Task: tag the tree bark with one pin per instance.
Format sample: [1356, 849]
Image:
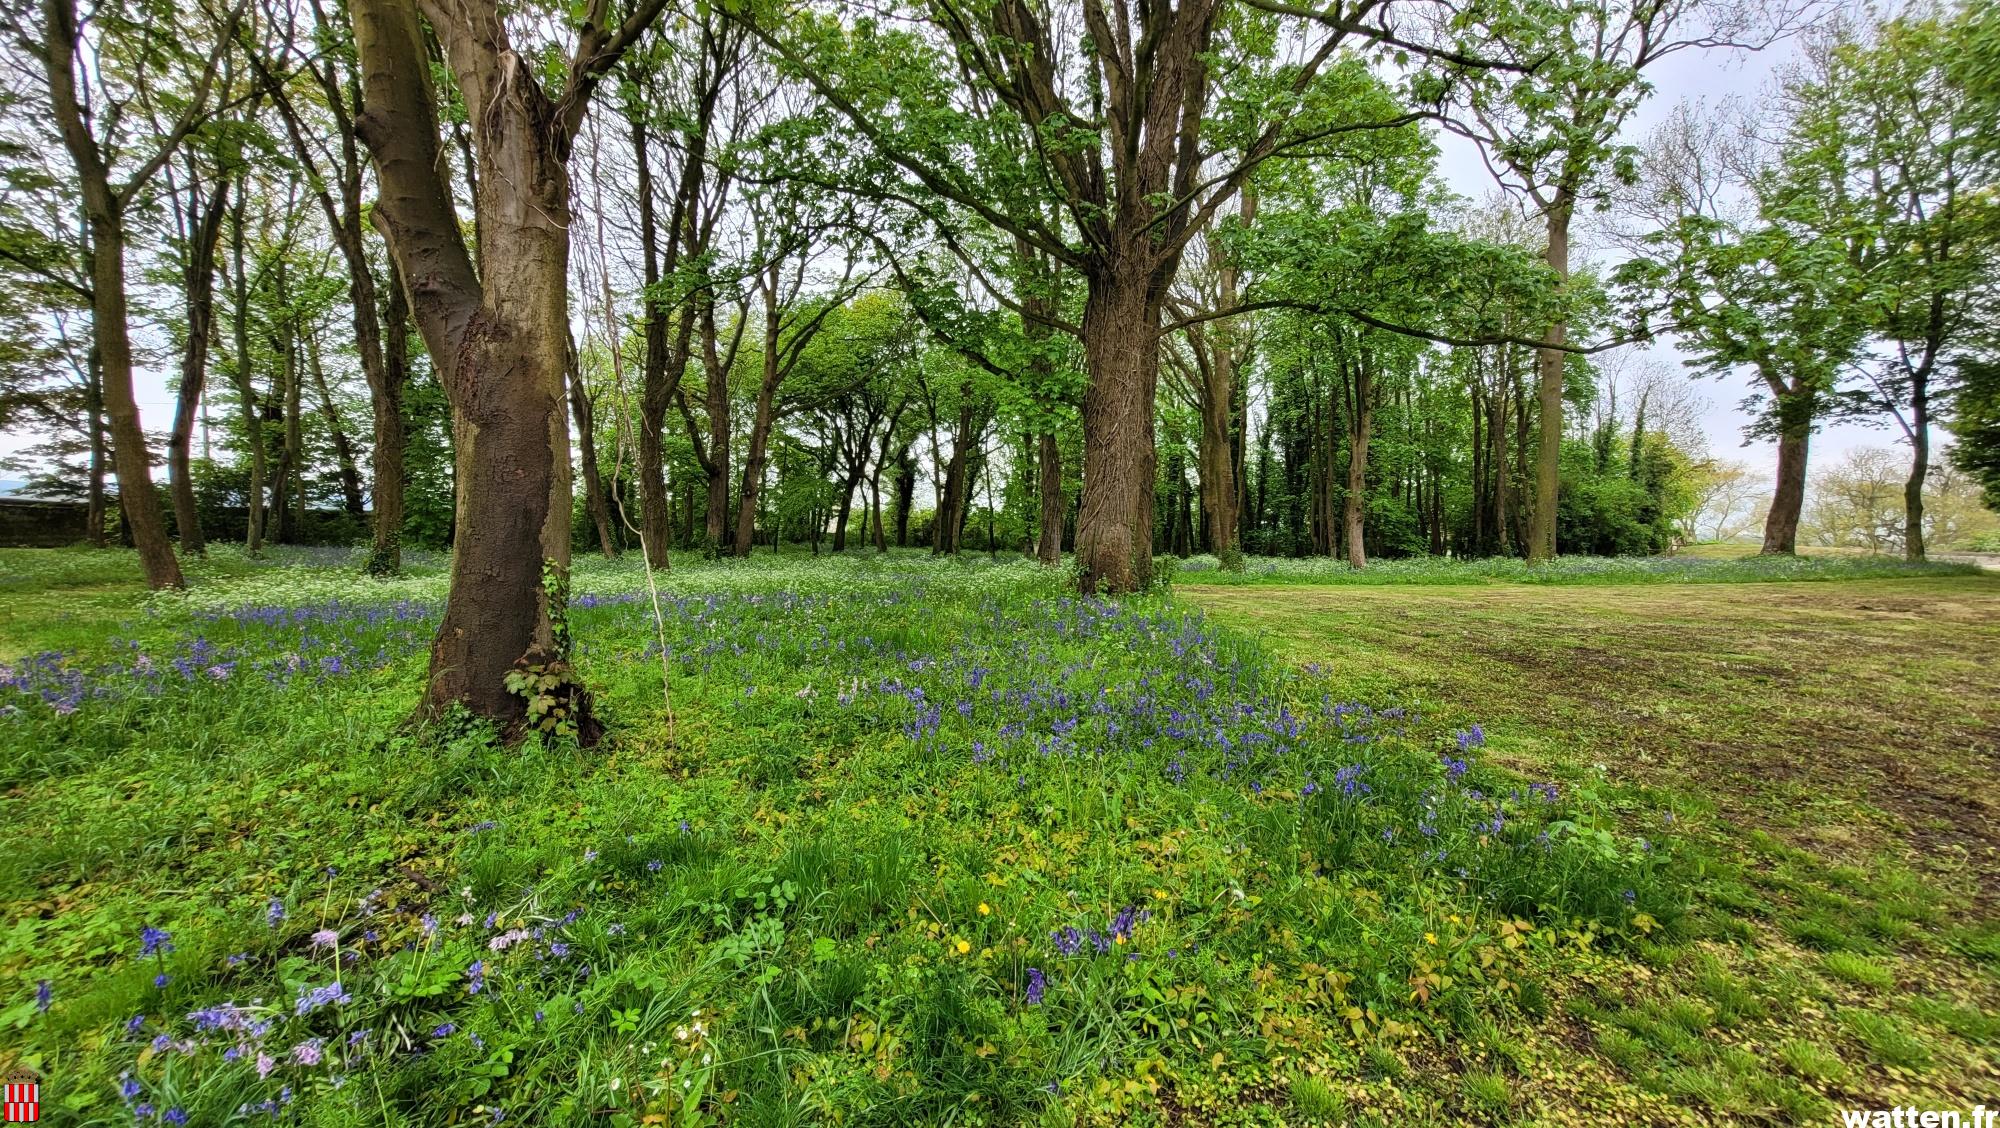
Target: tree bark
[763, 415]
[385, 554]
[198, 284]
[1920, 466]
[496, 339]
[93, 405]
[1121, 326]
[1219, 456]
[595, 501]
[1549, 369]
[1781, 525]
[105, 212]
[246, 390]
[1048, 545]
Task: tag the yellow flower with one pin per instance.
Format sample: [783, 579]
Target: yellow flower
[1430, 937]
[985, 909]
[964, 947]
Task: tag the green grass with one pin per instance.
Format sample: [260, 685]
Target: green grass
[1591, 571]
[1829, 750]
[847, 850]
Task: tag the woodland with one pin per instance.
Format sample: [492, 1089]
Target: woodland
[957, 561]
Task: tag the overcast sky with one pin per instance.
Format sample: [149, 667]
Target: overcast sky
[1690, 75]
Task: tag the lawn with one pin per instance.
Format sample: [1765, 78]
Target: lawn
[933, 842]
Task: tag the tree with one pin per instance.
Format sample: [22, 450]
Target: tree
[1726, 501]
[497, 337]
[1890, 144]
[73, 96]
[1756, 284]
[1549, 128]
[1129, 143]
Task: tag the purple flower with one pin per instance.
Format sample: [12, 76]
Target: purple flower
[314, 998]
[153, 941]
[476, 975]
[128, 1087]
[325, 938]
[654, 866]
[176, 1116]
[444, 1030]
[308, 1051]
[1036, 986]
[44, 993]
[429, 923]
[162, 979]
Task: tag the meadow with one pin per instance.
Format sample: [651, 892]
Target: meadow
[906, 840]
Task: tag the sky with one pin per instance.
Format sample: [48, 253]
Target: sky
[1689, 75]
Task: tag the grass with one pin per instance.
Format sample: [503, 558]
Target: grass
[932, 842]
[1568, 571]
[1827, 749]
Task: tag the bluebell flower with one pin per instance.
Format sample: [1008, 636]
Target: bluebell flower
[444, 1030]
[153, 940]
[1036, 986]
[476, 977]
[44, 993]
[274, 912]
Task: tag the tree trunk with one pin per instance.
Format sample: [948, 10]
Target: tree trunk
[1048, 546]
[385, 401]
[290, 479]
[1219, 456]
[496, 338]
[764, 415]
[848, 485]
[93, 405]
[906, 495]
[1549, 369]
[343, 449]
[1781, 525]
[198, 284]
[1361, 422]
[717, 403]
[663, 368]
[594, 498]
[1920, 467]
[246, 390]
[105, 214]
[1121, 326]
